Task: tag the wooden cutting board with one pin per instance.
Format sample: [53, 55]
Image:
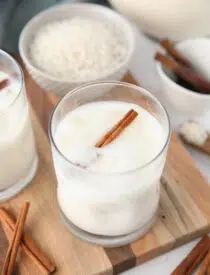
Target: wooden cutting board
[184, 212]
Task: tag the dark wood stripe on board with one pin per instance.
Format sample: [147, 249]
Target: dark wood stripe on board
[121, 258]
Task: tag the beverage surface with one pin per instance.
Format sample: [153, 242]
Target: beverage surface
[137, 145]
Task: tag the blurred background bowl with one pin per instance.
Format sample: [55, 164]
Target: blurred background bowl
[174, 19]
[65, 11]
[184, 101]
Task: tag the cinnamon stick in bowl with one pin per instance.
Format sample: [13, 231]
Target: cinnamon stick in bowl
[184, 72]
[175, 53]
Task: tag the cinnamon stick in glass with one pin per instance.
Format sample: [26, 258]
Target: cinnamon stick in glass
[4, 83]
[117, 129]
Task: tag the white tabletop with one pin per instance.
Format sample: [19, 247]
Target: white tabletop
[143, 69]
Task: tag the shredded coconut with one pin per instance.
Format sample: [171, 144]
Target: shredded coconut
[193, 133]
[78, 49]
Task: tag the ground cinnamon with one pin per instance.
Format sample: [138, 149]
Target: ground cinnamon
[9, 263]
[184, 72]
[174, 52]
[197, 254]
[117, 128]
[28, 245]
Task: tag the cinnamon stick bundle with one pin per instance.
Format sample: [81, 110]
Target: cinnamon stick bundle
[117, 129]
[205, 266]
[9, 263]
[28, 245]
[176, 54]
[184, 72]
[194, 258]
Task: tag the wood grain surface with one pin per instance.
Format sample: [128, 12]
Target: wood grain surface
[184, 212]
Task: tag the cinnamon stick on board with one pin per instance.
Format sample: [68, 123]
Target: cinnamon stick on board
[28, 245]
[117, 128]
[190, 263]
[184, 72]
[174, 52]
[9, 234]
[198, 260]
[205, 265]
[9, 264]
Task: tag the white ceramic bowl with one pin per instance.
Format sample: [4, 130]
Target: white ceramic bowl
[184, 101]
[175, 19]
[69, 10]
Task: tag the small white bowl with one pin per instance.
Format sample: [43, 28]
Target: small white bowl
[69, 10]
[185, 101]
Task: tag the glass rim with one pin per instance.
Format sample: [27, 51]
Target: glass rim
[12, 59]
[119, 83]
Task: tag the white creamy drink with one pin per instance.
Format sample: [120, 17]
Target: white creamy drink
[113, 190]
[18, 158]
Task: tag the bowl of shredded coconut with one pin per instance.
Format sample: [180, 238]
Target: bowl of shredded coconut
[74, 43]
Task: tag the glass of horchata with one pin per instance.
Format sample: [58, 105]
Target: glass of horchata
[109, 194]
[18, 158]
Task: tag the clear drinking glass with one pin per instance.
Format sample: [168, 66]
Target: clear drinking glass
[18, 158]
[109, 209]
